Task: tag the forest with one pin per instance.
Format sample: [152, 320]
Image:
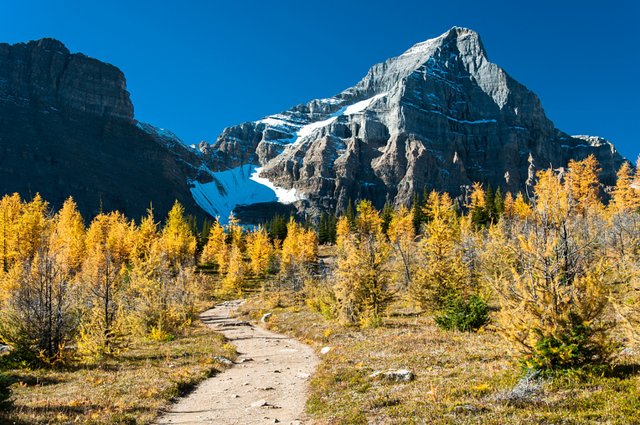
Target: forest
[554, 271]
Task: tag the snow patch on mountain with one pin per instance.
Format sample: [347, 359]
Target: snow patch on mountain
[301, 130]
[284, 196]
[238, 186]
[358, 107]
[595, 141]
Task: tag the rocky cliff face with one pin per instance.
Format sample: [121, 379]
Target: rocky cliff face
[439, 116]
[44, 72]
[67, 129]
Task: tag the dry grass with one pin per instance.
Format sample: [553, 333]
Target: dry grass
[129, 389]
[460, 377]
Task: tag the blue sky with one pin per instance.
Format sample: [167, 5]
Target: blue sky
[195, 67]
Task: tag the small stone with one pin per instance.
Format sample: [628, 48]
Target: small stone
[266, 388]
[467, 408]
[302, 375]
[400, 375]
[276, 371]
[627, 352]
[235, 396]
[260, 403]
[325, 350]
[221, 359]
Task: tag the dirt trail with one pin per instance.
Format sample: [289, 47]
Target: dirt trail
[268, 384]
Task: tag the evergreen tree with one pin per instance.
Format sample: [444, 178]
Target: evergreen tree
[277, 228]
[417, 214]
[323, 229]
[387, 215]
[490, 207]
[478, 207]
[498, 203]
[332, 223]
[350, 212]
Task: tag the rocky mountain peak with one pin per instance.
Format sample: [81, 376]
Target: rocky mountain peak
[44, 75]
[50, 45]
[455, 56]
[439, 116]
[459, 41]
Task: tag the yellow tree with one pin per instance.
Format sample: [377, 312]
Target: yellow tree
[402, 236]
[104, 277]
[177, 244]
[509, 205]
[143, 237]
[69, 237]
[29, 228]
[216, 250]
[10, 210]
[552, 199]
[521, 208]
[478, 205]
[235, 277]
[443, 272]
[299, 252]
[625, 196]
[149, 279]
[38, 314]
[235, 233]
[363, 277]
[551, 278]
[177, 239]
[260, 252]
[583, 184]
[437, 204]
[623, 240]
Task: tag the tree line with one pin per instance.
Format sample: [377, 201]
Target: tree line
[556, 271]
[66, 285]
[560, 268]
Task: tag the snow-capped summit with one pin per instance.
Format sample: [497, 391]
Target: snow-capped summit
[438, 116]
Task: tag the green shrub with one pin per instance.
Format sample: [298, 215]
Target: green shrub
[574, 349]
[463, 314]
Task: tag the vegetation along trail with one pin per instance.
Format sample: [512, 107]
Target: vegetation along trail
[268, 383]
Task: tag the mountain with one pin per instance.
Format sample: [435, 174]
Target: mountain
[439, 116]
[67, 128]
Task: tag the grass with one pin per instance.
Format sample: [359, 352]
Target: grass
[465, 378]
[131, 388]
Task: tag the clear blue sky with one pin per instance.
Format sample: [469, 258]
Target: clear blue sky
[195, 67]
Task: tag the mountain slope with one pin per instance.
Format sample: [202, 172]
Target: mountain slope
[67, 129]
[439, 116]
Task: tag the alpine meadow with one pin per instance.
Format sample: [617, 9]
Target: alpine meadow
[424, 246]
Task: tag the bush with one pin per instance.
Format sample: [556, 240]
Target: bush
[462, 314]
[573, 349]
